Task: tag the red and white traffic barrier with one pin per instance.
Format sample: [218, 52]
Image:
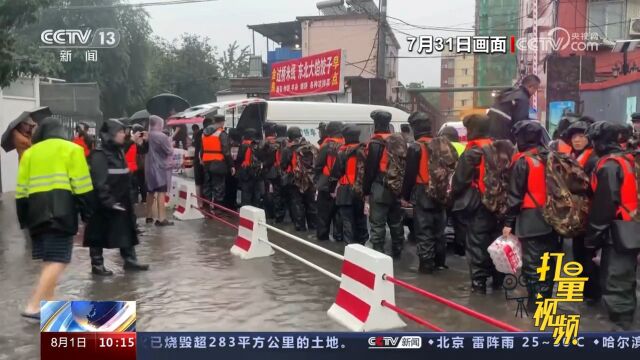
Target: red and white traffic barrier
[358, 304]
[252, 241]
[187, 205]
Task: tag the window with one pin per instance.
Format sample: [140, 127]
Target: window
[607, 18]
[451, 80]
[465, 71]
[463, 102]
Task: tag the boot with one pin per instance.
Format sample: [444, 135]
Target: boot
[131, 260]
[134, 265]
[498, 280]
[97, 262]
[100, 270]
[426, 267]
[479, 287]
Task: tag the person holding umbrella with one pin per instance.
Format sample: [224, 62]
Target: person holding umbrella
[19, 132]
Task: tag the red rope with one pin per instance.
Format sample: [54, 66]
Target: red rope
[216, 205]
[216, 218]
[411, 316]
[487, 319]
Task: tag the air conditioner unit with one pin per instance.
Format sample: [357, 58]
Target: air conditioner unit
[634, 27]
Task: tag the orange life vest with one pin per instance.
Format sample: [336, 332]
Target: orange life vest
[479, 182]
[629, 188]
[331, 158]
[584, 157]
[350, 171]
[384, 160]
[248, 153]
[131, 157]
[80, 141]
[278, 156]
[423, 169]
[212, 147]
[536, 195]
[564, 148]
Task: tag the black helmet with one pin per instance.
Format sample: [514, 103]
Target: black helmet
[294, 132]
[137, 128]
[604, 137]
[109, 129]
[381, 119]
[334, 128]
[351, 134]
[528, 134]
[576, 127]
[421, 124]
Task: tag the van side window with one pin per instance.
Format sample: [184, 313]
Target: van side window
[366, 131]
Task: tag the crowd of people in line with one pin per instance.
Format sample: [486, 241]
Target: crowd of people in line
[352, 190]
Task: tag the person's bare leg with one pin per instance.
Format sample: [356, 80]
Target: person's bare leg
[162, 208]
[46, 286]
[150, 205]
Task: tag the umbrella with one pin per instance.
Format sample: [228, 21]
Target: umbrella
[165, 105]
[36, 115]
[139, 117]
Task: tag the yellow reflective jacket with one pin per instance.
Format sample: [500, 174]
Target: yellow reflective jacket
[53, 179]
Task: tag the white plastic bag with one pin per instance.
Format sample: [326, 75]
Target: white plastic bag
[506, 254]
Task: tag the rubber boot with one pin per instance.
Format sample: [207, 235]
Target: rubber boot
[97, 263]
[479, 286]
[131, 261]
[426, 267]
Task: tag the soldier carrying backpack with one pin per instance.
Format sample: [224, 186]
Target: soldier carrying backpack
[478, 187]
[250, 170]
[527, 191]
[430, 162]
[348, 167]
[614, 222]
[322, 170]
[382, 183]
[297, 165]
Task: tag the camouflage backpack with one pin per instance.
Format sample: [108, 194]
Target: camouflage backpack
[567, 206]
[443, 158]
[395, 146]
[361, 159]
[305, 154]
[497, 161]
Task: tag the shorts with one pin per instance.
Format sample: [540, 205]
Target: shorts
[198, 174]
[52, 248]
[161, 189]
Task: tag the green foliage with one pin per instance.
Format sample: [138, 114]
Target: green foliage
[15, 14]
[234, 65]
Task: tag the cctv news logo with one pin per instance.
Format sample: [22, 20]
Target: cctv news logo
[557, 39]
[395, 342]
[76, 38]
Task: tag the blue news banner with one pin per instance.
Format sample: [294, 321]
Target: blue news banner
[371, 346]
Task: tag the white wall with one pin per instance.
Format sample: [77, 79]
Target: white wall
[10, 107]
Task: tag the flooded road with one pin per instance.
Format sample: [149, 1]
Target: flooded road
[196, 284]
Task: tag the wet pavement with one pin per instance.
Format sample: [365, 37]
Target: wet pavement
[196, 284]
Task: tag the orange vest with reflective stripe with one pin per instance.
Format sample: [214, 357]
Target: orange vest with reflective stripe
[629, 188]
[479, 182]
[350, 170]
[423, 169]
[384, 160]
[536, 195]
[584, 157]
[130, 157]
[80, 141]
[248, 153]
[212, 147]
[331, 158]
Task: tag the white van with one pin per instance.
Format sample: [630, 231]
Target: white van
[308, 115]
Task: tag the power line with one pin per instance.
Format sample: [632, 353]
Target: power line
[127, 5]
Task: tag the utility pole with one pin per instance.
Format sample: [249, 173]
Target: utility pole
[382, 40]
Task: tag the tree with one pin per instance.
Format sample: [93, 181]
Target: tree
[15, 14]
[186, 67]
[234, 65]
[121, 72]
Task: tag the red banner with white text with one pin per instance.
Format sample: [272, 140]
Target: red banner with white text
[311, 75]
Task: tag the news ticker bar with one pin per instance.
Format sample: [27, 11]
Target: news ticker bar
[199, 345]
